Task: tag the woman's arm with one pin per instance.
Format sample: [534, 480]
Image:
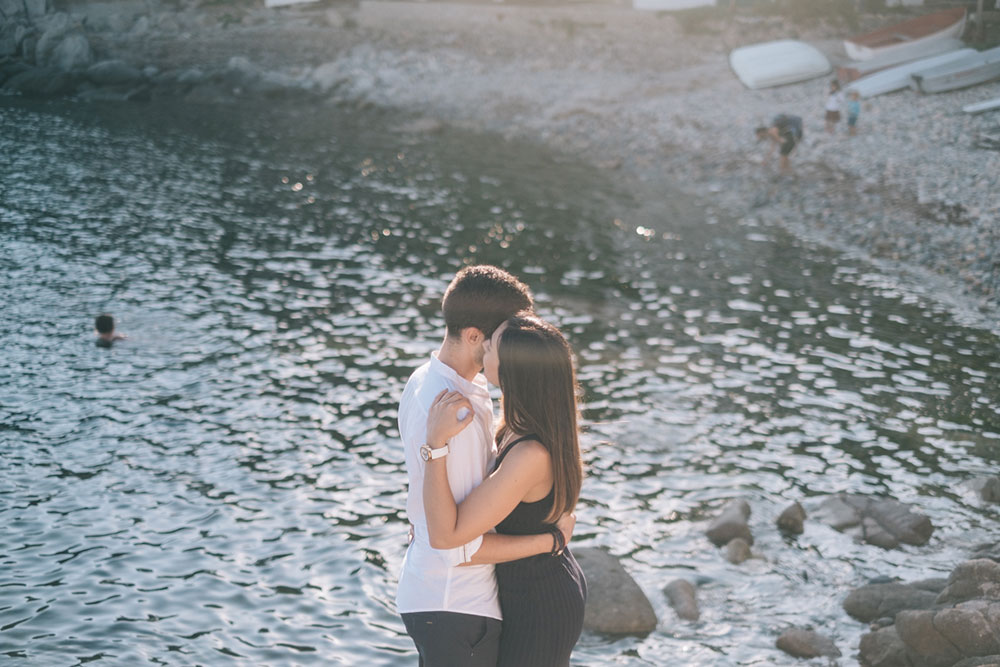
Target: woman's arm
[505, 548]
[450, 525]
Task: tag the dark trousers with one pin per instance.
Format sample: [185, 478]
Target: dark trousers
[446, 639]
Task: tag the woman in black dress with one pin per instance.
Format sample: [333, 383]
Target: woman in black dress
[536, 480]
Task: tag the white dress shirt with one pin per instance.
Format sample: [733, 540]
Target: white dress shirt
[431, 579]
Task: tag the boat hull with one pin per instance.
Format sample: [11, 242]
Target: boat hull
[981, 68]
[899, 77]
[777, 63]
[980, 107]
[947, 24]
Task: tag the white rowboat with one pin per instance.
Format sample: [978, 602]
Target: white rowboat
[980, 107]
[947, 24]
[972, 70]
[861, 68]
[777, 63]
[899, 77]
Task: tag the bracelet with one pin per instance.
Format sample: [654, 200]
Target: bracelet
[558, 541]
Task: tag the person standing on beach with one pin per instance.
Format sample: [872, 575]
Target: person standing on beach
[784, 133]
[448, 597]
[536, 480]
[834, 102]
[853, 111]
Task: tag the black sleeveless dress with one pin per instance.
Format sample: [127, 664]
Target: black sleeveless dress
[542, 597]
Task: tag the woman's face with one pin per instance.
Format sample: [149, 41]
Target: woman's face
[491, 362]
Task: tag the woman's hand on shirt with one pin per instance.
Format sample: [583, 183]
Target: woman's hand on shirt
[449, 414]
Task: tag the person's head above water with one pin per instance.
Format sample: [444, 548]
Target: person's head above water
[105, 324]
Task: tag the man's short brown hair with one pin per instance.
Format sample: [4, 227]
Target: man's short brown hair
[483, 297]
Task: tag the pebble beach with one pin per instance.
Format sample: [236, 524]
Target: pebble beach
[636, 93]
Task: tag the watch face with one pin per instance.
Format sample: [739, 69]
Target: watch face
[425, 453]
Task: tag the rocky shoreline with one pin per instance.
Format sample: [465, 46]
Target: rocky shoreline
[628, 91]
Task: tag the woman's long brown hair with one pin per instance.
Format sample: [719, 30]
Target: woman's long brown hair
[539, 397]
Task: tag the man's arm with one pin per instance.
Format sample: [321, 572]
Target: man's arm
[505, 548]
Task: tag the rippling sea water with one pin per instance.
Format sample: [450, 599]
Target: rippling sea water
[226, 486]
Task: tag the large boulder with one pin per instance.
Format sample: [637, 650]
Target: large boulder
[803, 643]
[883, 522]
[984, 661]
[731, 523]
[15, 8]
[972, 579]
[63, 45]
[113, 73]
[41, 82]
[883, 648]
[615, 603]
[925, 645]
[874, 601]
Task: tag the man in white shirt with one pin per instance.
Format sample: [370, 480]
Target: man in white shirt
[448, 597]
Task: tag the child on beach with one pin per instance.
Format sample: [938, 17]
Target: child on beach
[853, 111]
[834, 101]
[105, 328]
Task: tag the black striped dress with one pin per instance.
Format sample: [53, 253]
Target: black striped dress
[541, 597]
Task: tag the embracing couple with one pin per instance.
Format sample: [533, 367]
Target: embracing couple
[487, 579]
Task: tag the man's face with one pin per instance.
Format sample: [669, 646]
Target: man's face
[491, 361]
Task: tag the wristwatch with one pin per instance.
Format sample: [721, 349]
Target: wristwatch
[427, 453]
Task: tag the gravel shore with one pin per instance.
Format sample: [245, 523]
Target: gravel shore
[636, 95]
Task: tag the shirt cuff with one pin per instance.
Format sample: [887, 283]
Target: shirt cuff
[464, 553]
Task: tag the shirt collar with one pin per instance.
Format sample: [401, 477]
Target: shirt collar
[477, 387]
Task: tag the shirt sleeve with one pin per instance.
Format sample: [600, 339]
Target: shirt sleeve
[463, 554]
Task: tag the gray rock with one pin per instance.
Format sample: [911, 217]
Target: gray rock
[836, 513]
[987, 488]
[140, 28]
[41, 82]
[12, 69]
[192, 77]
[11, 36]
[328, 76]
[883, 648]
[802, 643]
[731, 523]
[683, 597]
[37, 8]
[113, 73]
[792, 519]
[737, 550]
[925, 645]
[615, 603]
[970, 626]
[53, 30]
[874, 601]
[984, 661]
[72, 53]
[883, 522]
[972, 579]
[15, 8]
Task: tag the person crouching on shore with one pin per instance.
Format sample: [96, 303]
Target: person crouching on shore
[785, 133]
